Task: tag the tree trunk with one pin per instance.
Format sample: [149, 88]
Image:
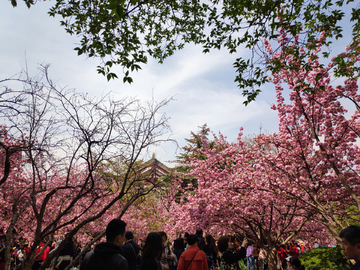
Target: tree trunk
[7, 256]
[271, 254]
[9, 237]
[26, 265]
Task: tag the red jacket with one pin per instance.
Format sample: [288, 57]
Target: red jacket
[294, 252]
[282, 254]
[43, 255]
[198, 263]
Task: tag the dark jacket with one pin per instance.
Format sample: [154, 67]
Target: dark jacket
[356, 266]
[211, 255]
[105, 256]
[201, 242]
[178, 252]
[131, 254]
[62, 261]
[150, 264]
[230, 258]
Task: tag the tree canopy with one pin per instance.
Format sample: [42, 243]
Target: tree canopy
[300, 181]
[53, 149]
[127, 32]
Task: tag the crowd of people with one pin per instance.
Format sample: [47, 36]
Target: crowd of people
[187, 252]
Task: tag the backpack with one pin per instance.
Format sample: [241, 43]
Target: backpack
[210, 259]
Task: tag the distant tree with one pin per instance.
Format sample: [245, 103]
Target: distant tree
[63, 139]
[196, 141]
[234, 196]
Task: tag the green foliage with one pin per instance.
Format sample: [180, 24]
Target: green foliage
[347, 65]
[196, 142]
[28, 3]
[127, 32]
[325, 258]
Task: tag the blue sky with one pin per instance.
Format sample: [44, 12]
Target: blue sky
[203, 85]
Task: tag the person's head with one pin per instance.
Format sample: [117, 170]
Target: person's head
[293, 263]
[115, 232]
[186, 236]
[179, 243]
[350, 238]
[163, 236]
[224, 243]
[129, 235]
[199, 232]
[192, 239]
[209, 239]
[153, 246]
[70, 238]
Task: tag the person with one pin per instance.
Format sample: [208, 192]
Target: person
[193, 258]
[108, 255]
[294, 263]
[211, 251]
[26, 248]
[152, 252]
[20, 257]
[263, 259]
[302, 247]
[39, 260]
[350, 237]
[293, 250]
[250, 257]
[317, 244]
[235, 243]
[179, 247]
[168, 259]
[131, 251]
[201, 240]
[2, 252]
[282, 253]
[65, 256]
[229, 259]
[186, 234]
[256, 256]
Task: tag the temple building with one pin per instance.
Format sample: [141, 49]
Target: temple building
[154, 169]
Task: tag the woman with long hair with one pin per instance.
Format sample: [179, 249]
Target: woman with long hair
[210, 250]
[179, 247]
[152, 252]
[168, 258]
[229, 259]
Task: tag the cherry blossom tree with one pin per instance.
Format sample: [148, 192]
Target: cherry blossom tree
[63, 138]
[301, 181]
[316, 145]
[234, 195]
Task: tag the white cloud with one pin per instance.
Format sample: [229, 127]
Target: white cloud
[203, 84]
